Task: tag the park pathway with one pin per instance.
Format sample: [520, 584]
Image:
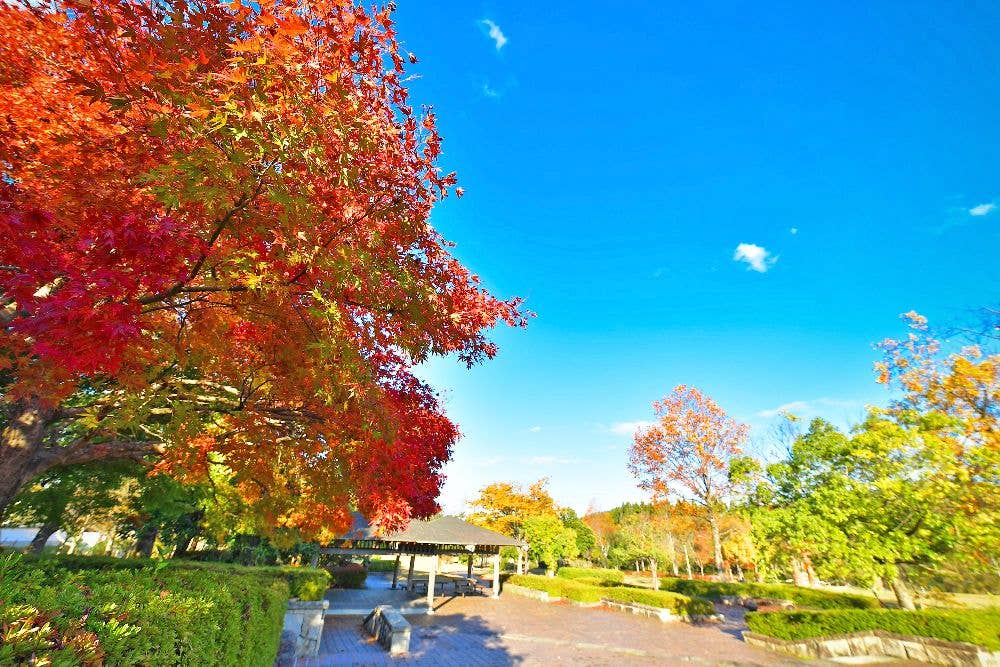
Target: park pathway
[477, 631]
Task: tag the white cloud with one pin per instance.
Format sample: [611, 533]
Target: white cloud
[757, 257]
[545, 460]
[982, 209]
[535, 429]
[793, 231]
[490, 91]
[495, 33]
[628, 428]
[809, 408]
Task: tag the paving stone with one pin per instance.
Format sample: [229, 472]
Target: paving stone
[470, 632]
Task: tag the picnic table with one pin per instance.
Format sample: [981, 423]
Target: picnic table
[463, 586]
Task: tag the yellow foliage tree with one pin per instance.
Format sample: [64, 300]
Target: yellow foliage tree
[504, 507]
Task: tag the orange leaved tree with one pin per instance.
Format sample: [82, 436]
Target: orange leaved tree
[686, 454]
[215, 250]
[504, 507]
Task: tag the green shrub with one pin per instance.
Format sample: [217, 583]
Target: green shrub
[601, 574]
[149, 616]
[580, 591]
[806, 597]
[559, 587]
[305, 583]
[975, 626]
[349, 576]
[675, 602]
[376, 565]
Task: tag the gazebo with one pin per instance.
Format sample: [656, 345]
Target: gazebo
[435, 537]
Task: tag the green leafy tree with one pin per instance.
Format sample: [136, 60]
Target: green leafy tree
[550, 541]
[69, 498]
[585, 540]
[861, 506]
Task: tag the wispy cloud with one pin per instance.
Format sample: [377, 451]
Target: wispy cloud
[494, 33]
[810, 408]
[982, 209]
[546, 460]
[490, 91]
[534, 429]
[757, 257]
[793, 231]
[627, 428]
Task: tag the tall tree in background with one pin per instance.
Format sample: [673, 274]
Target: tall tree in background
[215, 251]
[963, 386]
[68, 499]
[687, 453]
[955, 392]
[602, 527]
[585, 539]
[549, 540]
[504, 507]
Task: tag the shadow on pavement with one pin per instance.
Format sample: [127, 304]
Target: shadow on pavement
[455, 639]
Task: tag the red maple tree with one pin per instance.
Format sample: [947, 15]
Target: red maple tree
[215, 250]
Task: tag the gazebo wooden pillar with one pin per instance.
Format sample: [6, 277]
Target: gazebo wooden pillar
[430, 584]
[395, 572]
[496, 576]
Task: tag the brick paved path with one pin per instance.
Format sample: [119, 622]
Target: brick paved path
[477, 631]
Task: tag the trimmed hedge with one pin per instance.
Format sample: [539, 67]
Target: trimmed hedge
[975, 626]
[584, 592]
[806, 597]
[349, 576]
[598, 573]
[305, 583]
[679, 604]
[140, 616]
[376, 565]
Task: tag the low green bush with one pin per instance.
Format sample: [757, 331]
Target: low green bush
[806, 597]
[376, 565]
[559, 587]
[675, 602]
[579, 590]
[602, 574]
[349, 576]
[305, 583]
[975, 626]
[149, 616]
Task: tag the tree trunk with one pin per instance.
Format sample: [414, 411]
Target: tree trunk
[183, 544]
[810, 571]
[713, 521]
[42, 536]
[147, 540]
[799, 577]
[672, 548]
[24, 455]
[687, 561]
[903, 596]
[20, 443]
[656, 579]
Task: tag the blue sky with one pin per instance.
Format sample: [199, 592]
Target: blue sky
[734, 196]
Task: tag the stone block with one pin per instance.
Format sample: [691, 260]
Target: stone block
[389, 628]
[304, 625]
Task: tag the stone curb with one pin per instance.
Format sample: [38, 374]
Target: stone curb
[878, 643]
